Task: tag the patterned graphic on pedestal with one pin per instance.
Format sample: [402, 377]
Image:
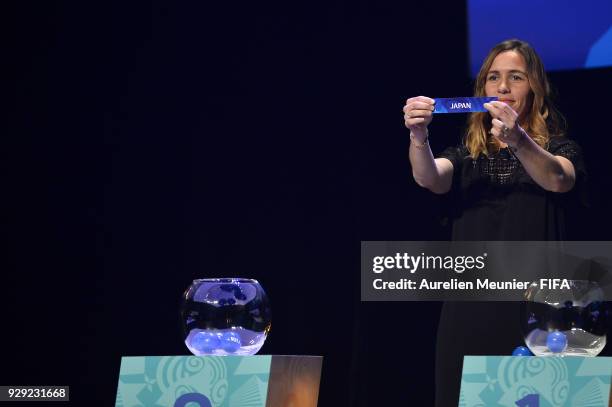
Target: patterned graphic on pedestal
[178, 381]
[550, 381]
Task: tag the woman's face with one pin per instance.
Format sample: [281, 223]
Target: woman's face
[507, 79]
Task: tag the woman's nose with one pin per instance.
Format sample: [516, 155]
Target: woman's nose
[503, 87]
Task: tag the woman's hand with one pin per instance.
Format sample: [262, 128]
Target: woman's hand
[553, 173]
[504, 124]
[418, 113]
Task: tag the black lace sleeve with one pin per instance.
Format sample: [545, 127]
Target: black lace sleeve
[565, 147]
[455, 155]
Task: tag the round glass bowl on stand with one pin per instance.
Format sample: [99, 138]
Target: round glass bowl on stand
[225, 316]
[569, 319]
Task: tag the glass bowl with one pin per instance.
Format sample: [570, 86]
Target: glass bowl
[225, 316]
[565, 317]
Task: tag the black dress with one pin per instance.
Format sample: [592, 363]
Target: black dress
[493, 198]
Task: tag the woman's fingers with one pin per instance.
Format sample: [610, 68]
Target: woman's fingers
[414, 117]
[506, 134]
[415, 105]
[501, 111]
[418, 111]
[497, 127]
[498, 124]
[504, 107]
[421, 99]
[493, 110]
[414, 121]
[504, 125]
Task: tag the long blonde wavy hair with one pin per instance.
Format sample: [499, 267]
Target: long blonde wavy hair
[541, 122]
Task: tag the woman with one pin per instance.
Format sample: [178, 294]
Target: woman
[510, 179]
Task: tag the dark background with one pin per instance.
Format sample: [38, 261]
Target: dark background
[148, 144]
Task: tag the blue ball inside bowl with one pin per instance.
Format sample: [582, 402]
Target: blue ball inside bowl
[556, 342]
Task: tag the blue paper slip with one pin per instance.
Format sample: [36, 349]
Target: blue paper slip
[461, 105]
